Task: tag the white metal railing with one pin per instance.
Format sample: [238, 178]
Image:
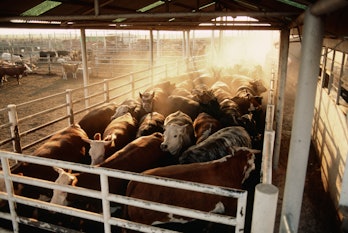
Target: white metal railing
[106, 197]
[71, 105]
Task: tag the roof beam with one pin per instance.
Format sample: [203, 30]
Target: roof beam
[148, 16]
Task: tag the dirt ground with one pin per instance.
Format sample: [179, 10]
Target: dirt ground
[318, 214]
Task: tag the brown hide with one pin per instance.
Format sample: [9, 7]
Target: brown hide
[12, 70]
[65, 145]
[125, 128]
[151, 123]
[205, 125]
[226, 172]
[96, 120]
[141, 154]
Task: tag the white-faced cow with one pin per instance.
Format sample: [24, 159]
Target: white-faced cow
[230, 171]
[70, 68]
[139, 155]
[205, 125]
[216, 145]
[117, 134]
[178, 133]
[151, 123]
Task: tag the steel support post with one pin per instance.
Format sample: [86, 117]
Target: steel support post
[282, 71]
[84, 65]
[302, 122]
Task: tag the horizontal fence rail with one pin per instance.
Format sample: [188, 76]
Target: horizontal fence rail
[106, 197]
[72, 104]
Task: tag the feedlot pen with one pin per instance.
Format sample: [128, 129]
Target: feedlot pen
[315, 223]
[59, 110]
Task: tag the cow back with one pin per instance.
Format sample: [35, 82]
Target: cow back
[151, 123]
[124, 128]
[186, 105]
[216, 145]
[67, 145]
[97, 120]
[226, 172]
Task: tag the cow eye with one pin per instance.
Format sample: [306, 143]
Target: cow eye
[175, 136]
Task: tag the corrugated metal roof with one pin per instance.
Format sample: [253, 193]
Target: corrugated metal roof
[161, 14]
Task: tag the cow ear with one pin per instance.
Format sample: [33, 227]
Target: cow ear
[58, 169]
[153, 94]
[97, 136]
[140, 95]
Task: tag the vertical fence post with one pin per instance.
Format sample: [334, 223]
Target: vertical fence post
[9, 189]
[240, 215]
[106, 91]
[13, 119]
[105, 203]
[266, 198]
[69, 106]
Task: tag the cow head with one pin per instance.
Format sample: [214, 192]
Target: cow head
[174, 138]
[65, 178]
[147, 100]
[248, 156]
[259, 86]
[98, 147]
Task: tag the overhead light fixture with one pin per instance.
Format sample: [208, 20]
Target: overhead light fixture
[119, 20]
[41, 8]
[151, 6]
[34, 21]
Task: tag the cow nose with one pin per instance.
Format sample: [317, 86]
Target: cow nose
[163, 146]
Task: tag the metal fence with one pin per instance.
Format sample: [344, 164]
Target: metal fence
[59, 110]
[70, 105]
[105, 217]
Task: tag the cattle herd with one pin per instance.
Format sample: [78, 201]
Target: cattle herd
[207, 130]
[13, 65]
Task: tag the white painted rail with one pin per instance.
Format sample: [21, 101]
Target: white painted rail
[237, 221]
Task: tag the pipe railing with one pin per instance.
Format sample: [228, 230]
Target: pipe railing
[115, 89]
[106, 197]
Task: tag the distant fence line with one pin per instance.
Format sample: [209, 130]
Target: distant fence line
[70, 105]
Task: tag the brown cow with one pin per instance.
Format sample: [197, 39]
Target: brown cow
[67, 144]
[205, 125]
[69, 68]
[16, 71]
[239, 82]
[151, 123]
[230, 171]
[97, 119]
[139, 155]
[117, 134]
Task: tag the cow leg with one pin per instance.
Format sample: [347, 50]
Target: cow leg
[18, 77]
[74, 75]
[65, 76]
